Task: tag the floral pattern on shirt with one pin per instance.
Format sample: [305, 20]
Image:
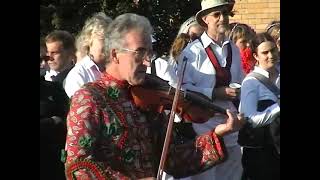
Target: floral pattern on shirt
[112, 133]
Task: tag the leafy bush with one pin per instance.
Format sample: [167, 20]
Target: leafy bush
[166, 16]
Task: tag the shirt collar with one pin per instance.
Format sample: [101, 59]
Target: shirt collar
[112, 81]
[206, 40]
[261, 71]
[89, 63]
[52, 72]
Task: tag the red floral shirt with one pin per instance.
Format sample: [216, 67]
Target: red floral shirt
[109, 138]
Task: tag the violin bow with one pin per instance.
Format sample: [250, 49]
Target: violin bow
[170, 123]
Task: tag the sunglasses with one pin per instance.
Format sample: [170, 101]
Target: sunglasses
[44, 58]
[224, 13]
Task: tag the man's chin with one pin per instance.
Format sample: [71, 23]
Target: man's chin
[53, 67]
[222, 30]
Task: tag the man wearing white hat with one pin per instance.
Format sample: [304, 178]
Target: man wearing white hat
[213, 63]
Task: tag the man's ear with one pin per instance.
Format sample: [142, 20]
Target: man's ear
[114, 56]
[204, 19]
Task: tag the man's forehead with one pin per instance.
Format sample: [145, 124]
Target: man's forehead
[138, 37]
[54, 44]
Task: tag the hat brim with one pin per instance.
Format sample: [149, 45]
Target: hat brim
[204, 12]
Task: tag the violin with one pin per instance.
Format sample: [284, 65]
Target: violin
[155, 94]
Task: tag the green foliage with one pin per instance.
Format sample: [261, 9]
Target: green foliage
[166, 16]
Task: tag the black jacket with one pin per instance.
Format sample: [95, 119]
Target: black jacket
[53, 102]
[62, 75]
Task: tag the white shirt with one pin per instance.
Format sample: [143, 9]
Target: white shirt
[200, 76]
[49, 74]
[162, 68]
[83, 72]
[252, 90]
[200, 73]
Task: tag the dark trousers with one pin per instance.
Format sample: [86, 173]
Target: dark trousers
[51, 168]
[261, 164]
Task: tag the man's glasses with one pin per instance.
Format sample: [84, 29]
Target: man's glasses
[141, 53]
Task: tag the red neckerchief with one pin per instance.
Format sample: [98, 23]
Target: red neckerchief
[223, 74]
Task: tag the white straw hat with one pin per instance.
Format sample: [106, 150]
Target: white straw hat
[184, 28]
[209, 4]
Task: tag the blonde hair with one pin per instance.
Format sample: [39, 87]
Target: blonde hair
[94, 27]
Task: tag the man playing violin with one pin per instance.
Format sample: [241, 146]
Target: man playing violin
[213, 63]
[110, 138]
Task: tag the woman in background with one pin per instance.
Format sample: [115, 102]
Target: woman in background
[242, 35]
[261, 106]
[91, 58]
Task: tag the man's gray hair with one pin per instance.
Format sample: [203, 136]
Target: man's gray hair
[120, 26]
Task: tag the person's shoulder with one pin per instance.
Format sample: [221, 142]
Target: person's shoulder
[94, 92]
[193, 49]
[76, 71]
[161, 60]
[81, 66]
[94, 88]
[51, 87]
[62, 75]
[234, 47]
[48, 84]
[196, 44]
[86, 92]
[232, 44]
[249, 82]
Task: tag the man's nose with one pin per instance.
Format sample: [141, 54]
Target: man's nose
[221, 17]
[50, 56]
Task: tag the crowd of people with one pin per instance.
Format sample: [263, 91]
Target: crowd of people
[91, 127]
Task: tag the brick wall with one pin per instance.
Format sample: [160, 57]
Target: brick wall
[256, 13]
